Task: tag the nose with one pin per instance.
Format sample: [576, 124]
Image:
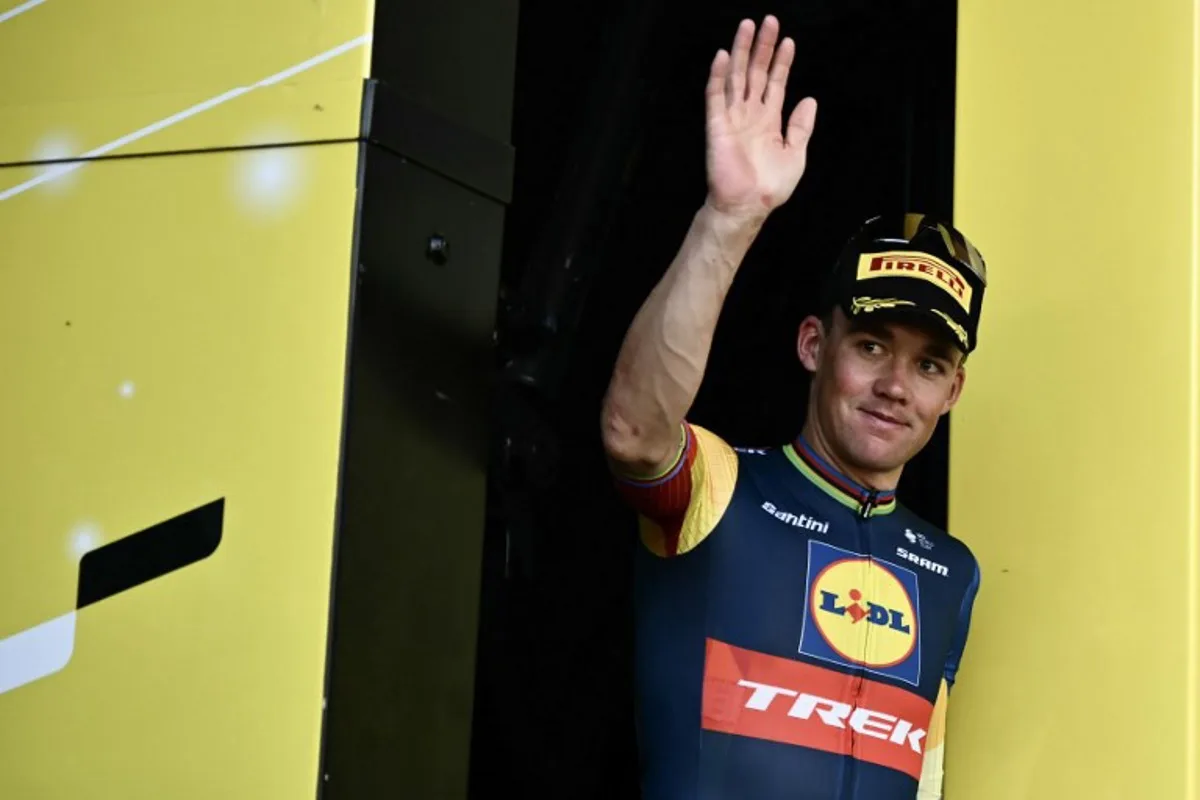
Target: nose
[892, 383]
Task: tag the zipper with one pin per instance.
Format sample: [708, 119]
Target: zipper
[866, 507]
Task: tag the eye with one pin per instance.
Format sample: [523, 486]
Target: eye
[870, 347]
[931, 367]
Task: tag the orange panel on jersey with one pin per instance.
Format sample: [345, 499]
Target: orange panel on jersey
[753, 694]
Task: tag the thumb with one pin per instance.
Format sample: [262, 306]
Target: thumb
[801, 123]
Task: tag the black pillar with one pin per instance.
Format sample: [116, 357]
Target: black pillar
[435, 175]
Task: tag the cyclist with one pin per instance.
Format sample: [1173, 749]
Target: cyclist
[798, 629]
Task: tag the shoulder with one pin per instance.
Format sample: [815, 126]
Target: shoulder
[925, 539]
[711, 443]
[921, 532]
[680, 507]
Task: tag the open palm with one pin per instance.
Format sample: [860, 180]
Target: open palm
[753, 165]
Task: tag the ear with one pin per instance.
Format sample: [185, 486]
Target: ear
[809, 341]
[956, 387]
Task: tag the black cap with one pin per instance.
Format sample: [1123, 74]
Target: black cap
[912, 263]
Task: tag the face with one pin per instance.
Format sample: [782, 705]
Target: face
[879, 388]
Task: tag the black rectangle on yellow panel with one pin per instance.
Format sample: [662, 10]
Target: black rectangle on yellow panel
[86, 79]
[414, 487]
[173, 334]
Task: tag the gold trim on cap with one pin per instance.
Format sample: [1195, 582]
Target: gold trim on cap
[869, 304]
[959, 330]
[865, 305]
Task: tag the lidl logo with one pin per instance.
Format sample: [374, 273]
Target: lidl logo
[861, 613]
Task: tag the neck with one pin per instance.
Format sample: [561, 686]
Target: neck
[815, 437]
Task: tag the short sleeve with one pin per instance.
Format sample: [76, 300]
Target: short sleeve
[959, 643]
[681, 506]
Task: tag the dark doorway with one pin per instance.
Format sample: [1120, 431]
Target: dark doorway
[608, 127]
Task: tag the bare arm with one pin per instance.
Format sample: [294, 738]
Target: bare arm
[661, 363]
[752, 169]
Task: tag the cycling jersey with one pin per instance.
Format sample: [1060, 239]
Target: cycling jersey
[797, 634]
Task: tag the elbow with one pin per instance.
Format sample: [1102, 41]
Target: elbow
[627, 444]
[619, 437]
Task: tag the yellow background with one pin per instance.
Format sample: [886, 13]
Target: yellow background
[84, 73]
[216, 286]
[232, 328]
[1073, 453]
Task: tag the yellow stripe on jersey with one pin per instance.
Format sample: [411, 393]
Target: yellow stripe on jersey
[714, 473]
[932, 769]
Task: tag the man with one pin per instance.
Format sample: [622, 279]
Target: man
[798, 629]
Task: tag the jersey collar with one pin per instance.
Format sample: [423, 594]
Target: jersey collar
[863, 501]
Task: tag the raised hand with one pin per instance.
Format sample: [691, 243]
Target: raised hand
[753, 165]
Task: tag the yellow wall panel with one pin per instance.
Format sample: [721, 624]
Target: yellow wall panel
[173, 331]
[77, 75]
[1073, 453]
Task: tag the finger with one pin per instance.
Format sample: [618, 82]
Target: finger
[780, 68]
[801, 123]
[714, 92]
[760, 61]
[740, 57]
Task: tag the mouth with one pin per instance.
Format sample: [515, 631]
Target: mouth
[884, 418]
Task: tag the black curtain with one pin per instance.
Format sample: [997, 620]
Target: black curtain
[608, 125]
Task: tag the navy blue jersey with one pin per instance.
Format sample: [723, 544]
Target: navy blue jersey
[797, 633]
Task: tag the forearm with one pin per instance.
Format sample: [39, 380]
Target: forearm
[661, 363]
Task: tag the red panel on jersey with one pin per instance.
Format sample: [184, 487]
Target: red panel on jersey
[767, 697]
[665, 499]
